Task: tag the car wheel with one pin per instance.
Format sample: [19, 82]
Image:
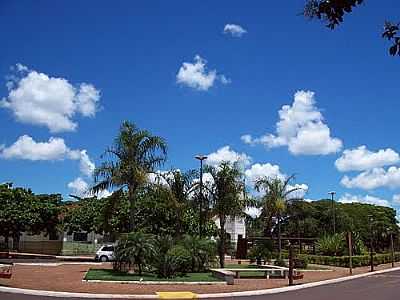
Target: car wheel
[103, 258]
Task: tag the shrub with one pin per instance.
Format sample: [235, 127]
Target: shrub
[260, 252]
[280, 263]
[136, 249]
[202, 252]
[357, 260]
[300, 262]
[180, 256]
[331, 244]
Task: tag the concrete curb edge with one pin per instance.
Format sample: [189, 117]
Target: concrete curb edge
[204, 296]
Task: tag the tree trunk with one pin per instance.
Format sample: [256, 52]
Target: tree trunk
[16, 241]
[140, 269]
[6, 241]
[279, 238]
[222, 242]
[131, 196]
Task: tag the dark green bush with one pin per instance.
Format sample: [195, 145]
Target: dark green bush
[180, 257]
[343, 261]
[300, 262]
[280, 263]
[261, 251]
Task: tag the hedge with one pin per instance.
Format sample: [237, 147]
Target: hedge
[343, 261]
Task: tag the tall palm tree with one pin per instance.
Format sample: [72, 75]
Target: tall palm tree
[181, 186]
[278, 192]
[134, 155]
[226, 193]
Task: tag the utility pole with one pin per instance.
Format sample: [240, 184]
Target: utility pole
[291, 264]
[201, 158]
[392, 248]
[350, 253]
[332, 193]
[371, 245]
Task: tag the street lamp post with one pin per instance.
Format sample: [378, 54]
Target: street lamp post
[371, 243]
[332, 193]
[201, 158]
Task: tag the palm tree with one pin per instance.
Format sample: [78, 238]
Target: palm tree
[278, 193]
[134, 155]
[181, 186]
[226, 198]
[135, 248]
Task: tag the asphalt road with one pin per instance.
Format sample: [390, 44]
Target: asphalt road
[377, 287]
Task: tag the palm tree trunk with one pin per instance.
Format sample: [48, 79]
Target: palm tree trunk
[279, 238]
[131, 196]
[222, 242]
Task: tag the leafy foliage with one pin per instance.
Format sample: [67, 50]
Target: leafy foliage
[134, 249]
[133, 156]
[21, 210]
[332, 11]
[331, 245]
[277, 194]
[226, 199]
[202, 252]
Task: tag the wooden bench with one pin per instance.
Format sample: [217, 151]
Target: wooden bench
[6, 271]
[268, 272]
[226, 275]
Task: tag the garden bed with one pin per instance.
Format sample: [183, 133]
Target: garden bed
[108, 275]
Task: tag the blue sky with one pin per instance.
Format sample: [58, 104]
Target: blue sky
[128, 56]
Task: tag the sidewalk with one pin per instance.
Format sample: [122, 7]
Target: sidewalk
[68, 278]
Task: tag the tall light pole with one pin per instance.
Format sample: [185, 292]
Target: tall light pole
[371, 242]
[201, 158]
[332, 193]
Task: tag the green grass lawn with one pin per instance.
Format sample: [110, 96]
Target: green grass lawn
[107, 274]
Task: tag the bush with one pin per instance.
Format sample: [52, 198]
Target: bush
[135, 250]
[343, 261]
[180, 258]
[202, 252]
[300, 262]
[331, 245]
[280, 263]
[260, 252]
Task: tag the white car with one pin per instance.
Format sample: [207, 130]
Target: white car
[105, 253]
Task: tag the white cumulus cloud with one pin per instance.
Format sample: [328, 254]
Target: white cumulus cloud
[396, 199]
[27, 148]
[226, 154]
[361, 159]
[349, 198]
[79, 187]
[374, 178]
[195, 75]
[301, 128]
[257, 171]
[234, 30]
[39, 99]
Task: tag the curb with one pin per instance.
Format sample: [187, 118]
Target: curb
[156, 282]
[203, 296]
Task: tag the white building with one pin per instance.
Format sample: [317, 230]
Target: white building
[235, 226]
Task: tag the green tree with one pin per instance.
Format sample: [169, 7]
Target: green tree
[277, 193]
[23, 211]
[181, 187]
[226, 193]
[332, 12]
[133, 156]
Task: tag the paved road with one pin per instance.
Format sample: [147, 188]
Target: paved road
[377, 287]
